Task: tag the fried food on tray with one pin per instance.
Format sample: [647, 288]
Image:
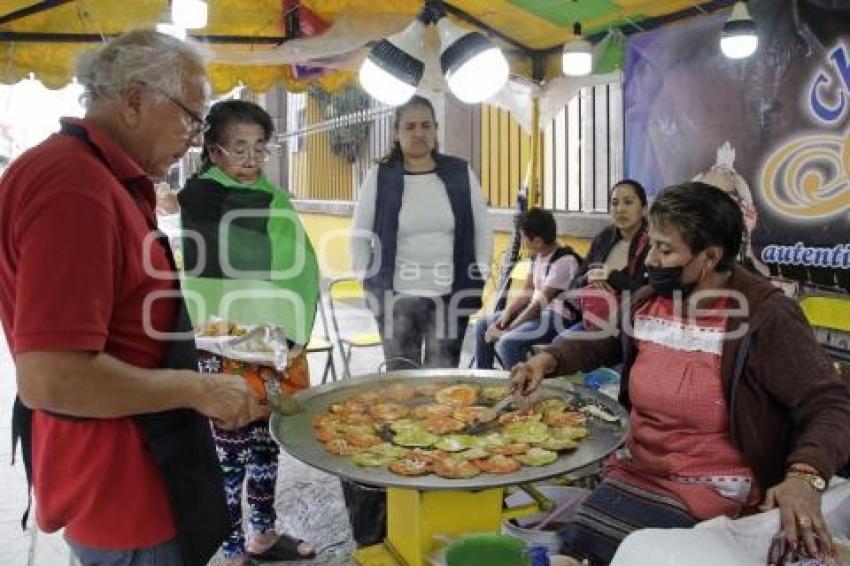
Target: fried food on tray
[455, 442]
[551, 405]
[457, 395]
[474, 453]
[428, 389]
[408, 466]
[324, 419]
[493, 394]
[511, 449]
[367, 398]
[362, 440]
[565, 419]
[389, 411]
[354, 428]
[414, 430]
[469, 415]
[406, 424]
[537, 457]
[371, 460]
[455, 467]
[340, 447]
[389, 450]
[415, 438]
[398, 392]
[527, 432]
[498, 464]
[426, 411]
[568, 433]
[558, 444]
[529, 415]
[356, 418]
[426, 455]
[327, 434]
[490, 441]
[348, 407]
[443, 425]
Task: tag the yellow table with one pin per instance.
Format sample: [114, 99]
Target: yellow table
[416, 519]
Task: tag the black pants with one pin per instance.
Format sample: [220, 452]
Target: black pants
[424, 330]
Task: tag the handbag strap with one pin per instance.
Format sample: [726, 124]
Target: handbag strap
[641, 246]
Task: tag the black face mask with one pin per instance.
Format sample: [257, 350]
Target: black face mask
[666, 281]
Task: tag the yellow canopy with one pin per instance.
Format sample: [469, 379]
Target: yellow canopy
[45, 37]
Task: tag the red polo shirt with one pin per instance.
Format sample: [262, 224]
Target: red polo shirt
[72, 277]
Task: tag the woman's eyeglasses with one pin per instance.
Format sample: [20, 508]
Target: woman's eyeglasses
[257, 154]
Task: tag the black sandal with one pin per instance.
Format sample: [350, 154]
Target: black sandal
[284, 548]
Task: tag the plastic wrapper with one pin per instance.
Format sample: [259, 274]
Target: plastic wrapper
[748, 541]
[261, 355]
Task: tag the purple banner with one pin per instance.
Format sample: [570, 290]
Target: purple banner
[772, 130]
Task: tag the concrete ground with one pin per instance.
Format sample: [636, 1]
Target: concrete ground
[309, 502]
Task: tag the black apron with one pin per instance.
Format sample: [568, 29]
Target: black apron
[180, 441]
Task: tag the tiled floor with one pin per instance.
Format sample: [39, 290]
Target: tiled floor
[309, 501]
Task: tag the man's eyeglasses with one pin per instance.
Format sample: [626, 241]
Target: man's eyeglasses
[258, 154]
[197, 126]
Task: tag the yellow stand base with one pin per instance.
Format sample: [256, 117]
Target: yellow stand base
[415, 517]
[377, 555]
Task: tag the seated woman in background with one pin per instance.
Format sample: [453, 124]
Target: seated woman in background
[615, 262]
[536, 315]
[733, 404]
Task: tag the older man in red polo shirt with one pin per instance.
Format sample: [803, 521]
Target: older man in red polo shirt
[121, 453]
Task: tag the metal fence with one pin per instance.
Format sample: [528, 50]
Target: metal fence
[583, 150]
[505, 155]
[329, 152]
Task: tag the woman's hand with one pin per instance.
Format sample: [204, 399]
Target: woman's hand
[526, 376]
[597, 273]
[494, 332]
[800, 510]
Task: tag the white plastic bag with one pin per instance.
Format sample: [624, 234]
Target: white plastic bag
[740, 542]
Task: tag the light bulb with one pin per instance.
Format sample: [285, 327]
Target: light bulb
[739, 38]
[739, 46]
[475, 68]
[577, 63]
[482, 76]
[172, 30]
[189, 14]
[383, 86]
[577, 59]
[392, 70]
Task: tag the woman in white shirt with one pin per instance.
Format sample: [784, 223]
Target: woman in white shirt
[421, 241]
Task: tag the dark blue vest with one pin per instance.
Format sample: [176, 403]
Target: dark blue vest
[455, 176]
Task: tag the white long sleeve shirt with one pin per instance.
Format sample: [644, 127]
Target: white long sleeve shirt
[426, 230]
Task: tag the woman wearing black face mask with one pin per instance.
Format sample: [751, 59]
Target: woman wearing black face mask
[734, 406]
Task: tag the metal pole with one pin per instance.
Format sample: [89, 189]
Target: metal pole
[534, 185]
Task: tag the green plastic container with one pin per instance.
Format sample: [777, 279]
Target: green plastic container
[487, 550]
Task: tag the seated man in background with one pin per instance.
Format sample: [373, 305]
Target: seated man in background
[537, 313]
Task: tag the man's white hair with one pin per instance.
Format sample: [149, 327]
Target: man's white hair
[138, 56]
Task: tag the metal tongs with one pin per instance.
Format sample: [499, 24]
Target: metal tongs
[482, 423]
[281, 402]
